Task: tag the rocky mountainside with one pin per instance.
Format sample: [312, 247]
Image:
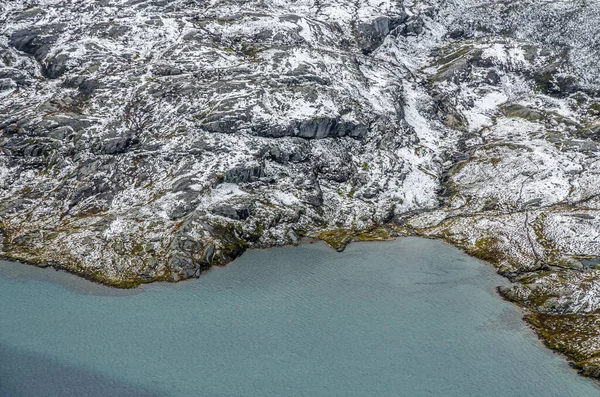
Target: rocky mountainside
[145, 140]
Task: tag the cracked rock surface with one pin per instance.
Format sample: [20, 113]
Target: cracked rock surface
[147, 140]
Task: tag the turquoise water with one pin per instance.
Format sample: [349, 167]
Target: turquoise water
[412, 317]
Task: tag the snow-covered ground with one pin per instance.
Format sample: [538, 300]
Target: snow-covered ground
[147, 140]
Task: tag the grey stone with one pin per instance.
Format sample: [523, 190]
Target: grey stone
[208, 254]
[370, 35]
[239, 211]
[55, 66]
[326, 127]
[244, 174]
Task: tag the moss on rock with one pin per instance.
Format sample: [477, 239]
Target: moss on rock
[340, 238]
[574, 335]
[337, 238]
[376, 234]
[487, 249]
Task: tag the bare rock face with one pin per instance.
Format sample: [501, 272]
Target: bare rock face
[149, 140]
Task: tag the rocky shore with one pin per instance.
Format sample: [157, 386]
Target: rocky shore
[148, 140]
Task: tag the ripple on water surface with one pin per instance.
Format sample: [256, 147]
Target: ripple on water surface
[412, 317]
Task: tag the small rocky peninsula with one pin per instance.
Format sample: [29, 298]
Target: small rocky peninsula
[148, 140]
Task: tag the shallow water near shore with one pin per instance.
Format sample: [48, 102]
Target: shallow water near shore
[412, 317]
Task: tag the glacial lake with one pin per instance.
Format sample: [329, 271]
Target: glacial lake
[412, 317]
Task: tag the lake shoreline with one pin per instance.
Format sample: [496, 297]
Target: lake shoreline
[286, 286]
[525, 311]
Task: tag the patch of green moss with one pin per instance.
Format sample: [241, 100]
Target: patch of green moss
[27, 250]
[495, 161]
[490, 204]
[461, 52]
[446, 63]
[119, 283]
[514, 110]
[487, 249]
[376, 234]
[137, 249]
[337, 238]
[51, 236]
[458, 167]
[94, 275]
[552, 83]
[229, 244]
[233, 248]
[544, 82]
[571, 335]
[223, 21]
[552, 254]
[595, 108]
[590, 367]
[534, 300]
[251, 51]
[398, 230]
[255, 234]
[523, 295]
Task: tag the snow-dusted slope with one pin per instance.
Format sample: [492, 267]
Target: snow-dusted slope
[147, 140]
